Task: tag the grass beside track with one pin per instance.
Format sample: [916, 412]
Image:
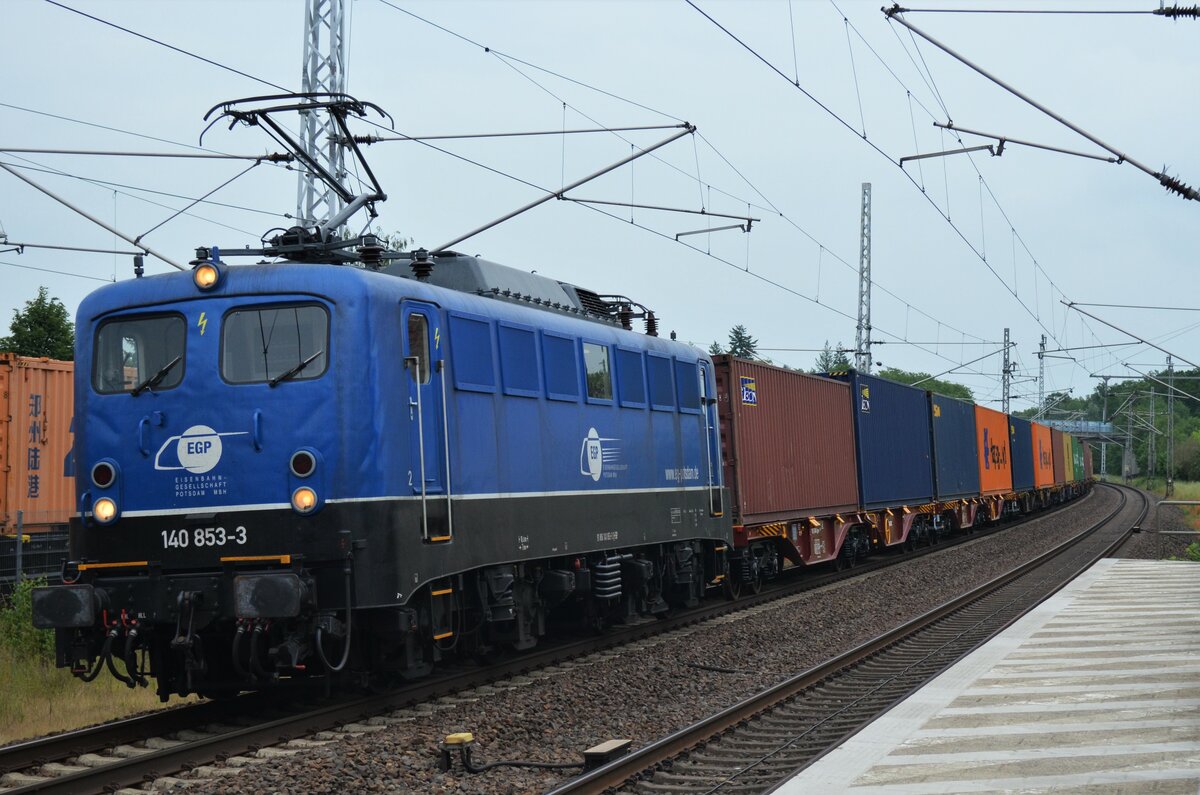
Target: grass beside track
[1184, 490]
[38, 699]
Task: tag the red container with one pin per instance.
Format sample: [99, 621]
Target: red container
[1088, 472]
[995, 460]
[36, 406]
[1060, 459]
[1043, 456]
[788, 439]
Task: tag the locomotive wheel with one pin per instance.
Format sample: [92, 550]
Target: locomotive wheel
[731, 589]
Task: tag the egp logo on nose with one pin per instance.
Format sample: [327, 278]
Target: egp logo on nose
[198, 449]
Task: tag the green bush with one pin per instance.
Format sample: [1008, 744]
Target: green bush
[16, 625]
[1192, 553]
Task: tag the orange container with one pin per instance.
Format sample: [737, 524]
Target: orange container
[36, 406]
[1043, 457]
[995, 460]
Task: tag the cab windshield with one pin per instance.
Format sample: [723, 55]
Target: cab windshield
[274, 343]
[130, 352]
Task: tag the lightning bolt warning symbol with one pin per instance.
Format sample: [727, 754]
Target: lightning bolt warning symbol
[437, 338]
[202, 322]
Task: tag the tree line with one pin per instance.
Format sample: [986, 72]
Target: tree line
[832, 359]
[42, 328]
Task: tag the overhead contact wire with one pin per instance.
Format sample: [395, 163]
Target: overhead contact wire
[179, 50]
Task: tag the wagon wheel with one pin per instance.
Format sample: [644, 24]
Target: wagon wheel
[756, 582]
[846, 557]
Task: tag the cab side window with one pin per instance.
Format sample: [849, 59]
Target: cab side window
[418, 346]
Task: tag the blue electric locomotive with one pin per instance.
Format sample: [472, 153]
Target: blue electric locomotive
[291, 469]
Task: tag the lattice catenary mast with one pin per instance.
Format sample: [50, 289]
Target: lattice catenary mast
[1006, 375]
[324, 71]
[862, 338]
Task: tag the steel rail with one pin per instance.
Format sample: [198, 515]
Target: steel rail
[622, 770]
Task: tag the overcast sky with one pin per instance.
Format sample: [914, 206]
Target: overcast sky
[1026, 230]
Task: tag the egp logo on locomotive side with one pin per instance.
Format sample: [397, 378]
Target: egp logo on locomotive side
[595, 454]
[198, 449]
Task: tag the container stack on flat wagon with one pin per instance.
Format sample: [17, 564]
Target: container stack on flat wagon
[1043, 456]
[1023, 454]
[895, 454]
[955, 458]
[1060, 459]
[956, 472]
[1078, 462]
[1087, 462]
[37, 484]
[995, 462]
[36, 478]
[789, 446]
[891, 423]
[1068, 458]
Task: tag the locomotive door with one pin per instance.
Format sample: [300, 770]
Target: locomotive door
[425, 373]
[712, 449]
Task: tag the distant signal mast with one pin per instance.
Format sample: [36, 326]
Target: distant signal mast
[324, 71]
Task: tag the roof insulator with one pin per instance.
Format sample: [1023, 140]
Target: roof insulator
[421, 266]
[1176, 12]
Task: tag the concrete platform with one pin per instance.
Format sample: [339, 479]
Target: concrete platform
[1097, 690]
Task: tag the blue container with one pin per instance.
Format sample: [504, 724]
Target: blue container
[891, 428]
[955, 448]
[1020, 446]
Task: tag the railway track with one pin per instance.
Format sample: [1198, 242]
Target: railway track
[759, 742]
[254, 728]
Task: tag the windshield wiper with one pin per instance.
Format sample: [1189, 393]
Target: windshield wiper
[285, 376]
[154, 380]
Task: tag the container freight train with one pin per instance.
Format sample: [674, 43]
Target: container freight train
[291, 471]
[830, 469]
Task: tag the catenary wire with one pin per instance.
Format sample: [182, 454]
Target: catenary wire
[770, 205]
[49, 270]
[57, 172]
[880, 151]
[160, 43]
[107, 183]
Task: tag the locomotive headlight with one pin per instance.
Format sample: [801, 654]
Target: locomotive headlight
[105, 510]
[304, 500]
[206, 275]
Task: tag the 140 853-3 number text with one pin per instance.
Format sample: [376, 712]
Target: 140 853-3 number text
[203, 537]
